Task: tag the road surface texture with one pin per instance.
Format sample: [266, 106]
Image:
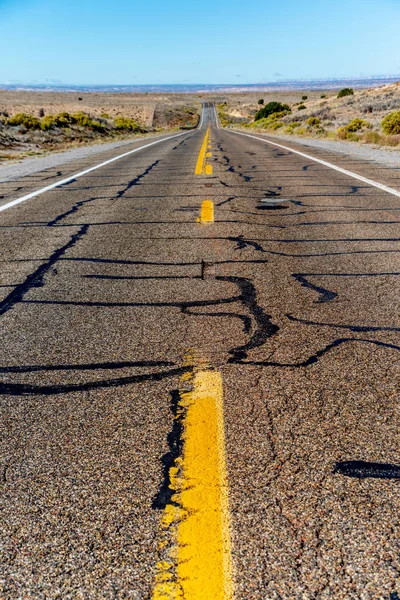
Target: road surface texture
[151, 349]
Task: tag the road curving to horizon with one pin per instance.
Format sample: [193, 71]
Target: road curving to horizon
[199, 374]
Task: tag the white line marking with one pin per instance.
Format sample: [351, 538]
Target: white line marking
[376, 184]
[216, 117]
[201, 116]
[103, 164]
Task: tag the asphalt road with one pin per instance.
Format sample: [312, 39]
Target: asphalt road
[106, 309]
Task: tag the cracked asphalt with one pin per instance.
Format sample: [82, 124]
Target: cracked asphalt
[101, 297]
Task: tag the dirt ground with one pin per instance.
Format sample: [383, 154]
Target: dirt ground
[370, 105]
[157, 112]
[153, 112]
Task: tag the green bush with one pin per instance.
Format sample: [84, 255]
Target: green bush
[47, 122]
[276, 125]
[345, 92]
[323, 95]
[292, 126]
[391, 123]
[105, 115]
[304, 98]
[81, 118]
[268, 122]
[271, 108]
[96, 125]
[312, 121]
[126, 123]
[301, 107]
[64, 119]
[28, 121]
[261, 101]
[357, 124]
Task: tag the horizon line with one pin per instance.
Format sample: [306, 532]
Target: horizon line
[259, 83]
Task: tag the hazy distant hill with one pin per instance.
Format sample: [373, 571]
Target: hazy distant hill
[316, 84]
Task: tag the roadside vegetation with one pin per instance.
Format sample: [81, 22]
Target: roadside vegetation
[24, 134]
[364, 116]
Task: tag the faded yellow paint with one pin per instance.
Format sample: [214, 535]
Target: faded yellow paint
[202, 155]
[206, 212]
[198, 565]
[208, 154]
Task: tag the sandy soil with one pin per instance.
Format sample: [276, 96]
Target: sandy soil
[153, 112]
[371, 105]
[141, 107]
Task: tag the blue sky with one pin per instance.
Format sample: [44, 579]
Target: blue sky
[180, 41]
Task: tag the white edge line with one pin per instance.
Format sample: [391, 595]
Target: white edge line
[216, 117]
[81, 173]
[202, 115]
[376, 184]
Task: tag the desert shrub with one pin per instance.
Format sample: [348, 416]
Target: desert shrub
[41, 112]
[269, 121]
[223, 117]
[353, 137]
[105, 115]
[63, 119]
[301, 107]
[96, 125]
[126, 123]
[345, 92]
[312, 121]
[292, 126]
[391, 123]
[271, 108]
[28, 121]
[276, 125]
[372, 137]
[348, 132]
[301, 131]
[357, 124]
[323, 95]
[391, 140]
[81, 118]
[304, 98]
[261, 101]
[47, 123]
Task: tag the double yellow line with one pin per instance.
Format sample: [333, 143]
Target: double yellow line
[201, 166]
[195, 540]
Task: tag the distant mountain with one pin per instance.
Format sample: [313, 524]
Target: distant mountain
[294, 84]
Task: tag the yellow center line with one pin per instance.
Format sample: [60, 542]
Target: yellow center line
[206, 212]
[198, 564]
[202, 155]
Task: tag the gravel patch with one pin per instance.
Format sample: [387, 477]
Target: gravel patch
[28, 166]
